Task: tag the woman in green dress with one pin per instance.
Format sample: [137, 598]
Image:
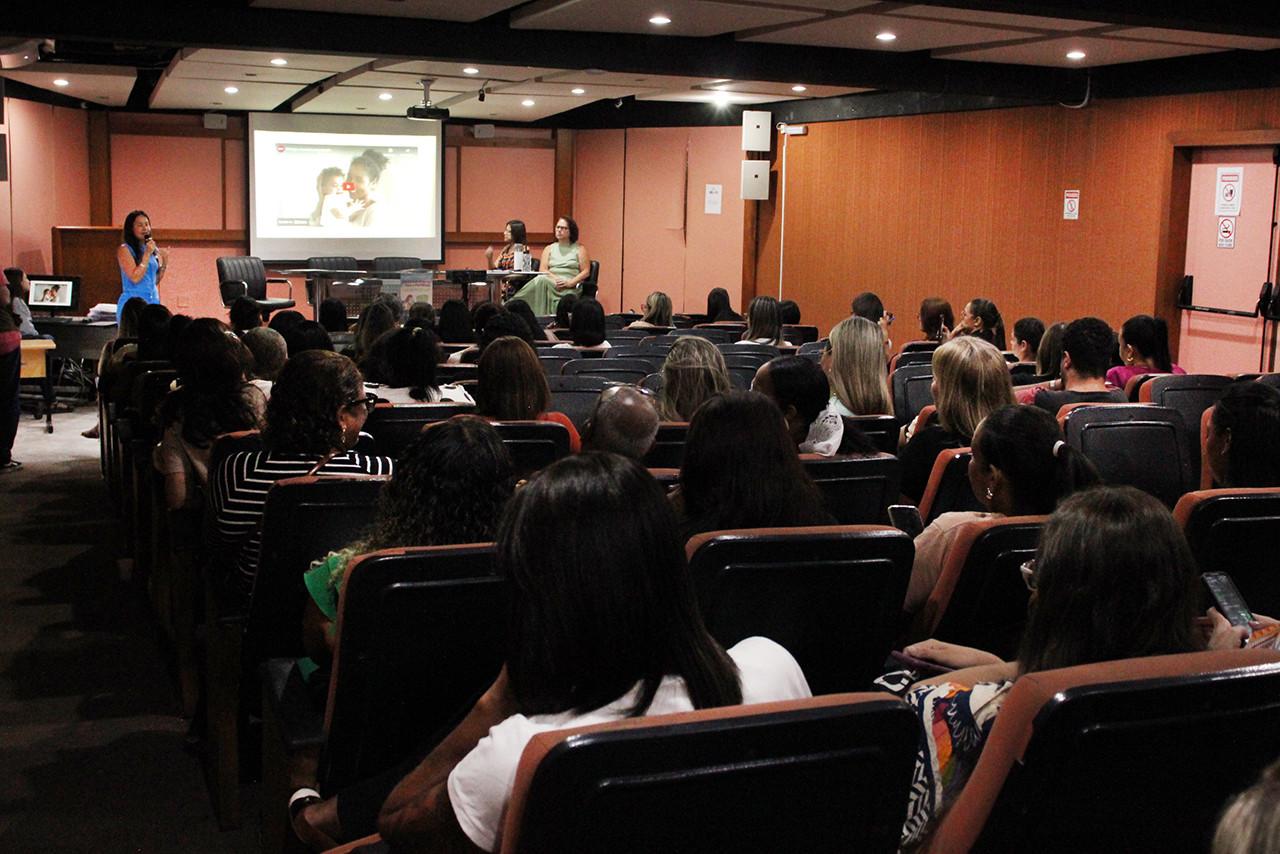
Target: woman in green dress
[566, 264]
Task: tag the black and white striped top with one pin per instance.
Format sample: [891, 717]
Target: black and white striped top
[238, 494]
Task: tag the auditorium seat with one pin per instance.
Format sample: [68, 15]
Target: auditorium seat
[1131, 755]
[618, 370]
[880, 430]
[911, 389]
[856, 490]
[831, 595]
[575, 395]
[1237, 531]
[394, 426]
[948, 489]
[668, 446]
[1135, 444]
[533, 445]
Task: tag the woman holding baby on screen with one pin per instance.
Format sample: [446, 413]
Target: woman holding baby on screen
[566, 264]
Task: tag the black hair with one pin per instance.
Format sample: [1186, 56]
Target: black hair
[600, 594]
[1031, 330]
[501, 324]
[741, 469]
[333, 315]
[1089, 342]
[211, 398]
[454, 323]
[992, 322]
[573, 227]
[564, 310]
[518, 232]
[411, 356]
[718, 307]
[245, 314]
[868, 305]
[14, 275]
[789, 309]
[481, 312]
[1251, 411]
[283, 321]
[1150, 337]
[801, 383]
[521, 309]
[1049, 353]
[153, 332]
[935, 313]
[586, 326]
[302, 414]
[1025, 443]
[307, 335]
[764, 320]
[134, 244]
[1114, 579]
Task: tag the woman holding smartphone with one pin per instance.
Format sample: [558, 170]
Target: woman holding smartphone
[142, 263]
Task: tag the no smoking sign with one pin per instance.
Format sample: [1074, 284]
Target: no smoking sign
[1226, 232]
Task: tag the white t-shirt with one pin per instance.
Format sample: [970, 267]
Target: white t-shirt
[480, 785]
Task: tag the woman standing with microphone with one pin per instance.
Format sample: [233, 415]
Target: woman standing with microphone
[142, 263]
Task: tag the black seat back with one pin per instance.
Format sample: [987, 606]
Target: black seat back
[1138, 445]
[392, 264]
[857, 490]
[1238, 532]
[668, 446]
[241, 268]
[393, 427]
[881, 430]
[533, 444]
[911, 388]
[575, 395]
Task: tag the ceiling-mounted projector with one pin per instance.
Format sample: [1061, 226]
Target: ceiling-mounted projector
[425, 112]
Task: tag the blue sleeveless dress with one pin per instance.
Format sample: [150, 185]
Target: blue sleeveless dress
[146, 288]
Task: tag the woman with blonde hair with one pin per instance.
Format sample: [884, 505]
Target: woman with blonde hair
[854, 360]
[693, 372]
[657, 312]
[970, 381]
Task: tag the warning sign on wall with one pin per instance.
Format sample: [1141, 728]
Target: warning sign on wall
[1227, 232]
[1071, 204]
[1230, 181]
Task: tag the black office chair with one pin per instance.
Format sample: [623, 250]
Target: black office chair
[245, 276]
[392, 264]
[590, 285]
[326, 262]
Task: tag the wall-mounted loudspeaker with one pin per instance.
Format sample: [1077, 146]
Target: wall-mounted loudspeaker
[755, 179]
[757, 130]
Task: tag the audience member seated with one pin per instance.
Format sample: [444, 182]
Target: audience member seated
[1113, 578]
[800, 389]
[970, 381]
[741, 470]
[936, 319]
[283, 321]
[586, 325]
[789, 309]
[307, 335]
[213, 397]
[604, 630]
[244, 314]
[449, 486]
[657, 312]
[982, 319]
[869, 306]
[694, 371]
[854, 359]
[1021, 467]
[499, 324]
[718, 308]
[521, 309]
[1049, 354]
[1027, 333]
[454, 324]
[115, 354]
[376, 320]
[625, 422]
[1250, 824]
[764, 322]
[1144, 348]
[10, 381]
[421, 313]
[564, 313]
[408, 357]
[313, 421]
[269, 353]
[1087, 344]
[511, 386]
[333, 315]
[1241, 446]
[154, 342]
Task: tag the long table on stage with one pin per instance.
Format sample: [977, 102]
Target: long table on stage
[77, 337]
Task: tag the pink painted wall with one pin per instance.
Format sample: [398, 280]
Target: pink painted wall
[714, 255]
[1227, 278]
[597, 195]
[507, 183]
[48, 181]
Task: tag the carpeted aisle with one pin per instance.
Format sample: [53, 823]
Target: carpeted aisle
[91, 737]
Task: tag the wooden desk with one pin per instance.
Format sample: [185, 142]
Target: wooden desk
[35, 366]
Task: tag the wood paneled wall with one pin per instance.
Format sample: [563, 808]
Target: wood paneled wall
[970, 204]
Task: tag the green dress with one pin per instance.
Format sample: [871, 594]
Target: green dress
[540, 292]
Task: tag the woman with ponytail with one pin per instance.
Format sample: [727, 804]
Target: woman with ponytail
[1021, 467]
[1144, 349]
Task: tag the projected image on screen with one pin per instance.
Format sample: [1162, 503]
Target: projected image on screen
[326, 185]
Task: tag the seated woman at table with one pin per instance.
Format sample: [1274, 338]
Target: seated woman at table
[511, 386]
[565, 264]
[514, 232]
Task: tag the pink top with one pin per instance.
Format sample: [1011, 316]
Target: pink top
[1120, 375]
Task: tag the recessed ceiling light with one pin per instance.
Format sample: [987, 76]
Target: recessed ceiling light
[1076, 54]
[385, 96]
[797, 88]
[470, 70]
[526, 102]
[885, 37]
[231, 90]
[660, 19]
[578, 91]
[61, 82]
[279, 60]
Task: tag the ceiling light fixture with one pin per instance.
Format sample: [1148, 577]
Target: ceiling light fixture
[61, 82]
[470, 70]
[385, 96]
[578, 91]
[1076, 55]
[526, 103]
[885, 37]
[231, 90]
[279, 60]
[797, 88]
[660, 20]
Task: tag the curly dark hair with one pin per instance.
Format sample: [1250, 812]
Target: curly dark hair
[302, 415]
[213, 397]
[450, 486]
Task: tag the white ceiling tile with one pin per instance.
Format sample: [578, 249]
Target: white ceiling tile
[179, 93]
[331, 64]
[688, 17]
[1203, 39]
[860, 30]
[97, 84]
[713, 98]
[993, 19]
[187, 69]
[784, 90]
[438, 10]
[485, 70]
[1098, 52]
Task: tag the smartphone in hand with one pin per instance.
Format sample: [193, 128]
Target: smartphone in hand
[1227, 599]
[906, 518]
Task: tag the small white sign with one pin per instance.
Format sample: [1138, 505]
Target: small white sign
[715, 193]
[1230, 185]
[1071, 204]
[1226, 232]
